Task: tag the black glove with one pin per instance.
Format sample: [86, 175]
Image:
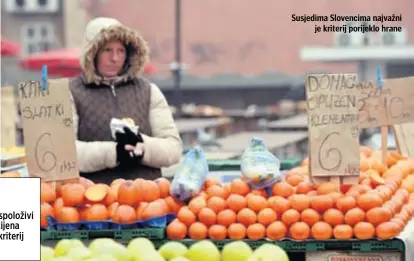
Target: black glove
[124, 157]
[128, 137]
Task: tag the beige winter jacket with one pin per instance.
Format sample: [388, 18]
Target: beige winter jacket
[164, 149]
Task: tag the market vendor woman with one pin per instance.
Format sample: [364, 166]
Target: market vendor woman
[110, 87]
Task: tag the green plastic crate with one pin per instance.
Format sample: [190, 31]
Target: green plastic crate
[372, 245]
[231, 165]
[122, 235]
[392, 245]
[47, 236]
[150, 233]
[158, 238]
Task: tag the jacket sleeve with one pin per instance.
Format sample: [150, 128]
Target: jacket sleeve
[164, 148]
[93, 156]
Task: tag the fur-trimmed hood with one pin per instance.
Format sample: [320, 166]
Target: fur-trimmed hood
[101, 30]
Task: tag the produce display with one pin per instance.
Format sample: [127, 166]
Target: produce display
[11, 157]
[378, 207]
[141, 249]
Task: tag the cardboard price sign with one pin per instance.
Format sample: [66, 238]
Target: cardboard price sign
[332, 107]
[399, 102]
[404, 135]
[8, 117]
[370, 108]
[393, 104]
[48, 130]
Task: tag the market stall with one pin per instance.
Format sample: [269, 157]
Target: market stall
[217, 127]
[298, 122]
[282, 144]
[248, 120]
[211, 156]
[362, 208]
[13, 159]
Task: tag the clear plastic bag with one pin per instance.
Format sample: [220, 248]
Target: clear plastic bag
[191, 175]
[259, 167]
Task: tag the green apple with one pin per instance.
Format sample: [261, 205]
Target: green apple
[77, 243]
[62, 258]
[63, 246]
[101, 243]
[172, 249]
[104, 257]
[46, 253]
[270, 252]
[151, 255]
[180, 258]
[140, 245]
[109, 246]
[79, 253]
[236, 251]
[203, 250]
[93, 259]
[255, 258]
[119, 251]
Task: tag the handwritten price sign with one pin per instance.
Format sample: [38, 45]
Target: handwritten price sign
[332, 107]
[48, 130]
[401, 111]
[393, 104]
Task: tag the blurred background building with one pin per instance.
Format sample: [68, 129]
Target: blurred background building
[237, 56]
[234, 38]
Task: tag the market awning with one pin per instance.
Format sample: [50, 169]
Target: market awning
[53, 59]
[60, 62]
[63, 63]
[9, 48]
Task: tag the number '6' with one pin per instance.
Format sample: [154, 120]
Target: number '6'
[47, 161]
[335, 166]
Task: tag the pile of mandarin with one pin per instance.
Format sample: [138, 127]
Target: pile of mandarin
[379, 206]
[123, 201]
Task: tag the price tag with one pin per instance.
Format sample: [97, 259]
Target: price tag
[332, 107]
[370, 108]
[393, 104]
[8, 117]
[404, 135]
[48, 130]
[400, 102]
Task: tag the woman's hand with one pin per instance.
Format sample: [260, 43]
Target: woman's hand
[138, 149]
